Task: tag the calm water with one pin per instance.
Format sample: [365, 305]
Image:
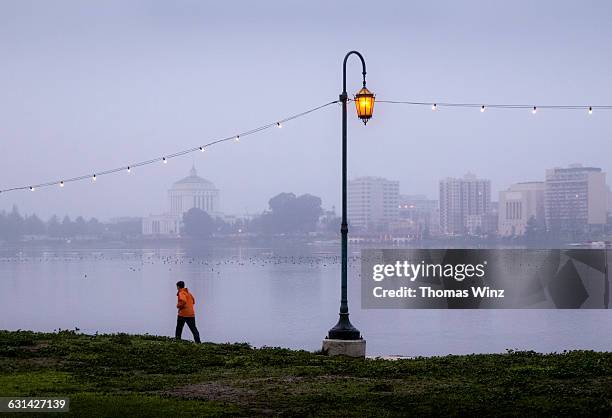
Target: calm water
[264, 296]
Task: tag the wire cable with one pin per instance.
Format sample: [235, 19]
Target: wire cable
[278, 123]
[94, 175]
[496, 105]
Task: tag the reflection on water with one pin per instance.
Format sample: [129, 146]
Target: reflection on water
[276, 297]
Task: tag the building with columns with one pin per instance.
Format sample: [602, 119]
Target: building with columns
[518, 204]
[190, 192]
[193, 192]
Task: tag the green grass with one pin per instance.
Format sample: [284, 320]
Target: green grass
[132, 375]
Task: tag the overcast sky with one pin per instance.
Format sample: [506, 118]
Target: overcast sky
[91, 85]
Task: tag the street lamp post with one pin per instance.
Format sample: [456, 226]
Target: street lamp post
[606, 278]
[364, 102]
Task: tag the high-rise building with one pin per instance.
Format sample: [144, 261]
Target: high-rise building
[372, 203]
[518, 204]
[463, 199]
[575, 199]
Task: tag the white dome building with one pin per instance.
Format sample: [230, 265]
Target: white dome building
[190, 192]
[193, 192]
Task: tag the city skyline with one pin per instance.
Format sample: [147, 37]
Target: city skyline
[402, 191]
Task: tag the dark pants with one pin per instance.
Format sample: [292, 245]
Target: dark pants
[180, 323]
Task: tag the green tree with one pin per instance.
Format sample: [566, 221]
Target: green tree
[333, 224]
[198, 224]
[2, 225]
[54, 227]
[290, 214]
[534, 230]
[80, 226]
[13, 225]
[94, 227]
[32, 225]
[67, 229]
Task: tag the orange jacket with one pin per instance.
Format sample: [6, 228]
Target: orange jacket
[185, 303]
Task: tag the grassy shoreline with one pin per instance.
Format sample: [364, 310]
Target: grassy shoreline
[142, 375]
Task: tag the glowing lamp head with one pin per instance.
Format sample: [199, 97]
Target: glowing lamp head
[364, 100]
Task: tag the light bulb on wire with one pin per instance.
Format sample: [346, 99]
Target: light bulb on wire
[278, 124]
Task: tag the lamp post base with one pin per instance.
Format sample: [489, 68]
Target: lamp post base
[344, 330]
[349, 348]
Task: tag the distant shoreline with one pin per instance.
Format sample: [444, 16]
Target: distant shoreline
[256, 241]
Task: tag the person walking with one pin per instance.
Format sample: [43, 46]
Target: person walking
[186, 313]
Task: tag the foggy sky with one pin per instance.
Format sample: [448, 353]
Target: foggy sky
[91, 85]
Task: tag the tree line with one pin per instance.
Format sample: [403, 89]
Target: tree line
[14, 226]
[287, 214]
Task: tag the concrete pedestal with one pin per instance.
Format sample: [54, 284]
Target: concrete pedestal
[350, 348]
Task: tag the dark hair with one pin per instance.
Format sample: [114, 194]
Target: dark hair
[180, 284]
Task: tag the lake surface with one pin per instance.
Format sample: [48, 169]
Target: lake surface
[286, 297]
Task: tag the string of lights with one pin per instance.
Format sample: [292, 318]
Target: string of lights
[279, 123]
[164, 159]
[484, 106]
